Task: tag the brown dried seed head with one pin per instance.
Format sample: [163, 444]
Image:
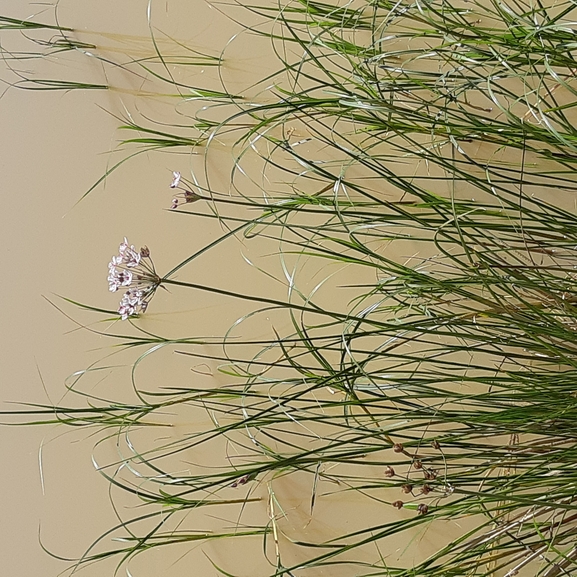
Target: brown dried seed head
[417, 464]
[398, 448]
[407, 488]
[389, 472]
[398, 504]
[144, 252]
[430, 474]
[426, 489]
[436, 445]
[423, 509]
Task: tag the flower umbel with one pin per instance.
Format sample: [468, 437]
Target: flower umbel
[181, 197]
[135, 270]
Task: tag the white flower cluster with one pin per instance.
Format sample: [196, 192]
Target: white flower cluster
[132, 269]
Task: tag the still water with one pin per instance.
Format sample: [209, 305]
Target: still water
[55, 146]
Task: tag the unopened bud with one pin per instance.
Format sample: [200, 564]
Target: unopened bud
[190, 196]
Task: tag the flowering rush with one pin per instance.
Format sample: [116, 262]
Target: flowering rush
[183, 197]
[134, 271]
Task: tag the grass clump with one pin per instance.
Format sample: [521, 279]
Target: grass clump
[416, 182]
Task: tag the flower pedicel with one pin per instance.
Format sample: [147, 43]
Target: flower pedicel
[181, 197]
[134, 270]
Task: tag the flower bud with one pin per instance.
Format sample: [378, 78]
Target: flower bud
[389, 472]
[430, 475]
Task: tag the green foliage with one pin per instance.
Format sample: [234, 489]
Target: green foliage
[434, 129]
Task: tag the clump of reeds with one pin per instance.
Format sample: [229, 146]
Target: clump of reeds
[421, 156]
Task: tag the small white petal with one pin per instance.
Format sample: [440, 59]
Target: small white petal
[175, 179]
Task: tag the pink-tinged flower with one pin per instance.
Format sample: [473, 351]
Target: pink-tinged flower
[135, 270]
[184, 198]
[118, 278]
[128, 255]
[181, 197]
[175, 179]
